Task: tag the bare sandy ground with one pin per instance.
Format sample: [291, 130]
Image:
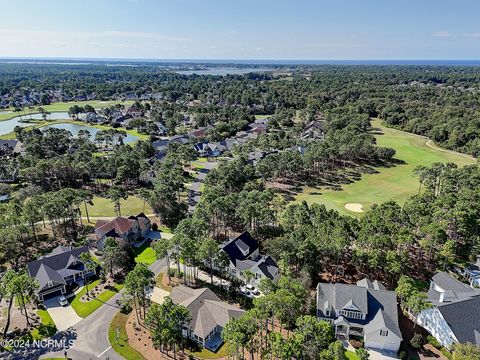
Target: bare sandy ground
[355, 207]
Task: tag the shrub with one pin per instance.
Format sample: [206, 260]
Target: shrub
[417, 341]
[403, 355]
[357, 344]
[447, 353]
[434, 342]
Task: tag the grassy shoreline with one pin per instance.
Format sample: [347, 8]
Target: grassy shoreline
[64, 106]
[42, 123]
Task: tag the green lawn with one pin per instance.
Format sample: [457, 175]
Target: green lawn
[145, 254]
[83, 309]
[207, 354]
[104, 207]
[351, 355]
[47, 327]
[122, 347]
[394, 183]
[41, 123]
[64, 106]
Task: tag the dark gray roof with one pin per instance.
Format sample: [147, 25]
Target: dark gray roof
[234, 247]
[368, 300]
[50, 270]
[463, 317]
[269, 267]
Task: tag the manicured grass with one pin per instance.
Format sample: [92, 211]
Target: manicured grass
[145, 254]
[258, 117]
[47, 327]
[122, 347]
[104, 207]
[41, 123]
[351, 355]
[207, 354]
[83, 309]
[394, 183]
[64, 106]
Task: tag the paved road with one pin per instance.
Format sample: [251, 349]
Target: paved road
[194, 191]
[89, 336]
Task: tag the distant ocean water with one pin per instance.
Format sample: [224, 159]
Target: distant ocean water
[134, 62]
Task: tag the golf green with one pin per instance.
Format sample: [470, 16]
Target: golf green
[389, 183]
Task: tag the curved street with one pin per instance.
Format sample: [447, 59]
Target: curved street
[89, 336]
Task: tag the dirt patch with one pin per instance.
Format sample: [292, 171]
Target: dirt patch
[354, 207]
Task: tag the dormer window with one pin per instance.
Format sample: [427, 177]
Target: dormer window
[383, 332]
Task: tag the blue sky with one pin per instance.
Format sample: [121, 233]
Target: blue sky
[241, 29]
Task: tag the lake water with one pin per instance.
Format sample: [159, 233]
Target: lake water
[75, 128]
[223, 71]
[7, 126]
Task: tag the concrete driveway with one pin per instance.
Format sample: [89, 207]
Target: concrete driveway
[158, 295]
[385, 355]
[63, 316]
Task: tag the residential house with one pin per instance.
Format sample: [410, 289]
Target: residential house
[314, 130]
[454, 316]
[10, 147]
[129, 229]
[58, 269]
[365, 310]
[209, 315]
[244, 254]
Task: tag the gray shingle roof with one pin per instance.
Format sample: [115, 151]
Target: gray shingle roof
[50, 270]
[206, 309]
[369, 301]
[463, 317]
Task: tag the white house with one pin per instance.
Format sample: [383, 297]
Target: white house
[366, 310]
[455, 313]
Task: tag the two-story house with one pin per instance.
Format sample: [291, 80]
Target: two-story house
[365, 310]
[58, 269]
[244, 254]
[209, 315]
[455, 313]
[129, 229]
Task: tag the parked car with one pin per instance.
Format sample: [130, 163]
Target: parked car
[62, 300]
[245, 292]
[253, 289]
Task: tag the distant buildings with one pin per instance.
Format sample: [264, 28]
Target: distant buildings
[365, 310]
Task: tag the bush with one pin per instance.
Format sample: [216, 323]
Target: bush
[357, 344]
[434, 342]
[417, 341]
[403, 355]
[447, 353]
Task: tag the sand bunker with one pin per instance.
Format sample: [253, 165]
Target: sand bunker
[355, 207]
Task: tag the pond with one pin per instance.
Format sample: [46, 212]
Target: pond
[222, 71]
[75, 128]
[7, 126]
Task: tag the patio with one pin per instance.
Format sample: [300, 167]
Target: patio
[215, 342]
